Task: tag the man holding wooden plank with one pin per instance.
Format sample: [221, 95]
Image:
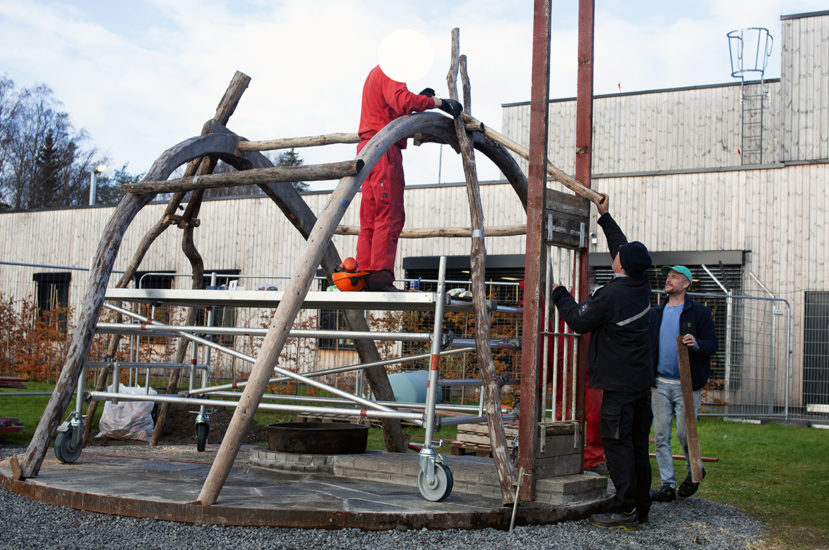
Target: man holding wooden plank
[678, 316]
[619, 357]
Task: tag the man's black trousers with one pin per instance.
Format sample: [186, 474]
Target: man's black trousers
[625, 426]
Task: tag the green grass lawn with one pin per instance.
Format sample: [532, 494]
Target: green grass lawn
[777, 474]
[27, 409]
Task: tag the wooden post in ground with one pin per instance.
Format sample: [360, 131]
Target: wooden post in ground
[492, 389]
[689, 411]
[584, 155]
[531, 405]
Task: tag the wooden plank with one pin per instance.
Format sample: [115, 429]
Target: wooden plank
[690, 413]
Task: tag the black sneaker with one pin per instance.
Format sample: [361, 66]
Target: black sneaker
[688, 487]
[600, 468]
[616, 520]
[666, 493]
[643, 520]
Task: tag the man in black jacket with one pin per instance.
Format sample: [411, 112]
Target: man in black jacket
[678, 315]
[620, 364]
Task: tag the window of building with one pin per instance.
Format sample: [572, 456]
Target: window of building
[52, 298]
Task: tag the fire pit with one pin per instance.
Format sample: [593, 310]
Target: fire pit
[329, 438]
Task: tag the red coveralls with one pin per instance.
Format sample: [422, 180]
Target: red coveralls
[381, 207]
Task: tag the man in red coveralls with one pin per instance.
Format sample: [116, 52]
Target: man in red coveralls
[381, 206]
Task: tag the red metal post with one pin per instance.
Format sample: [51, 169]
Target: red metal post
[537, 175]
[584, 144]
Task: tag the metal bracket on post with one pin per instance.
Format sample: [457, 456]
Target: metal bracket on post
[542, 437]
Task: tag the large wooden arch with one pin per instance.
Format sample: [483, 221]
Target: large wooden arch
[219, 142]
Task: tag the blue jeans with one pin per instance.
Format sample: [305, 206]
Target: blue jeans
[666, 403]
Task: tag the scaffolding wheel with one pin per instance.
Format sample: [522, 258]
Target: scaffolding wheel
[202, 428]
[441, 486]
[66, 449]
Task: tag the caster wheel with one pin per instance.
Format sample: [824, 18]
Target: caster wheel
[201, 436]
[441, 486]
[64, 448]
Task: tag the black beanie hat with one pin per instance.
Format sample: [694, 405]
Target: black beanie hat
[635, 259]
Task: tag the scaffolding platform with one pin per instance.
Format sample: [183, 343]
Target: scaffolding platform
[369, 491]
[379, 301]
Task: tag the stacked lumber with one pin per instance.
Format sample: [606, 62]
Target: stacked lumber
[475, 438]
[10, 425]
[12, 382]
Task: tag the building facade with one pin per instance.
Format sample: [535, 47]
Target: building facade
[671, 161]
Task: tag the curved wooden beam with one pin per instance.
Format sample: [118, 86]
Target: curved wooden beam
[297, 288]
[126, 210]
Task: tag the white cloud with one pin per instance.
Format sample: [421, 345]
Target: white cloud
[142, 77]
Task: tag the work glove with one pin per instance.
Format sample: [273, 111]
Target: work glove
[454, 108]
[427, 92]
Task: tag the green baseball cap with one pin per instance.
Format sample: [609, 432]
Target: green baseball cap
[679, 269]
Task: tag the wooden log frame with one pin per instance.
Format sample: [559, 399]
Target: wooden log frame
[491, 387]
[433, 126]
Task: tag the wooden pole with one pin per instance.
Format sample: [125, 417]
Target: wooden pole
[689, 411]
[291, 143]
[450, 232]
[559, 175]
[534, 256]
[492, 390]
[314, 172]
[584, 148]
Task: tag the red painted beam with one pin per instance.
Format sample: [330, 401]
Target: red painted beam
[584, 149]
[536, 180]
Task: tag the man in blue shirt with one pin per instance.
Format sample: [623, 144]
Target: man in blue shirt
[677, 316]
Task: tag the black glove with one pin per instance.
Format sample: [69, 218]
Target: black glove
[427, 92]
[454, 108]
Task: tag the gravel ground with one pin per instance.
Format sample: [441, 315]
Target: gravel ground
[688, 523]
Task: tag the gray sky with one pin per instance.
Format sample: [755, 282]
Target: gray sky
[142, 75]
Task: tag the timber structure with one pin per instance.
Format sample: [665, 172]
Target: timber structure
[562, 218]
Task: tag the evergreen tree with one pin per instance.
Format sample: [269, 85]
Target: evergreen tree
[292, 158]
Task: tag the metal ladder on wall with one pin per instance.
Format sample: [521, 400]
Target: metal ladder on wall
[750, 49]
